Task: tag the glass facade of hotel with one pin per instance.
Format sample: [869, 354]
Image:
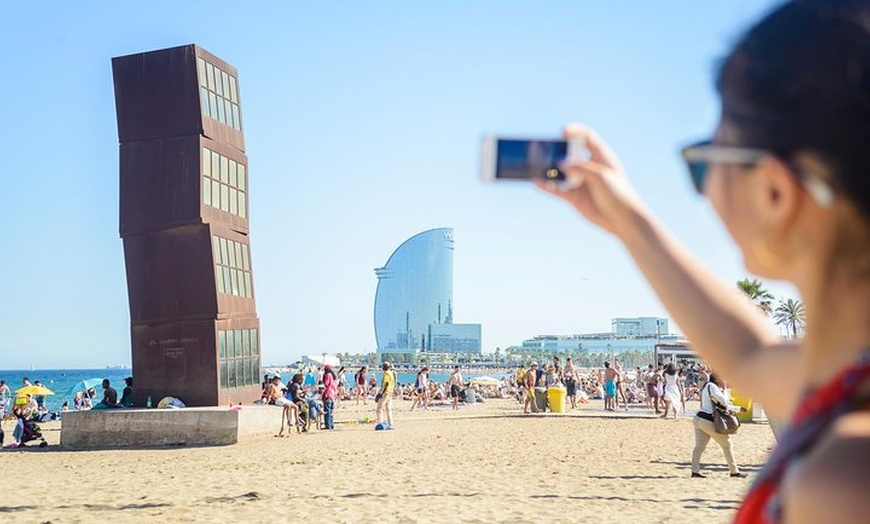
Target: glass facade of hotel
[453, 338]
[415, 289]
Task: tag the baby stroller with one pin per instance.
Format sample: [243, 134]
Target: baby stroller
[31, 431]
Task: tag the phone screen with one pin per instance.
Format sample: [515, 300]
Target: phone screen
[527, 159]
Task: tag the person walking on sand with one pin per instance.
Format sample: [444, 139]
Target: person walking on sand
[529, 382]
[673, 391]
[384, 411]
[714, 392]
[455, 382]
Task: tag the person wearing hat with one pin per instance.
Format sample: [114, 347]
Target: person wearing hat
[529, 382]
[550, 379]
[385, 395]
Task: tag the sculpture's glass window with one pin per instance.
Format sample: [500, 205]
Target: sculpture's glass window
[220, 94]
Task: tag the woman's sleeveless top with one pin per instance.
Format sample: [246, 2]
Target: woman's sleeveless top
[818, 410]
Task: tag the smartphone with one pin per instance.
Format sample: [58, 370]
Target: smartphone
[527, 159]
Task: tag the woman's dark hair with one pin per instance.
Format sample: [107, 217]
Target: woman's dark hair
[799, 81]
[671, 369]
[299, 378]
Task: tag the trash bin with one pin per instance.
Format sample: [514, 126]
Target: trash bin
[742, 402]
[541, 398]
[556, 398]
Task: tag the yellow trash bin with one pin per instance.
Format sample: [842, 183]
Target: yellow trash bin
[742, 402]
[556, 398]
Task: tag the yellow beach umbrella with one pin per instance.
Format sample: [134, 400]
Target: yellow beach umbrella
[34, 390]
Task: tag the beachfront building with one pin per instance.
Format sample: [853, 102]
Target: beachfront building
[184, 224]
[639, 326]
[413, 310]
[596, 343]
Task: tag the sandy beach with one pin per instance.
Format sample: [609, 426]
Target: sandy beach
[483, 463]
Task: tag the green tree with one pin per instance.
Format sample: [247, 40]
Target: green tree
[758, 294]
[790, 313]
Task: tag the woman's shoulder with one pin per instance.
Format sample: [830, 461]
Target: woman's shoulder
[830, 483]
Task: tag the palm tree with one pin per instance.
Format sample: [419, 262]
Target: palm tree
[756, 292]
[790, 313]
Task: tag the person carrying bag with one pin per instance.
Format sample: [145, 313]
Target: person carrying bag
[714, 406]
[724, 420]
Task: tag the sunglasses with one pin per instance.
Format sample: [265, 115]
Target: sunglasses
[700, 157]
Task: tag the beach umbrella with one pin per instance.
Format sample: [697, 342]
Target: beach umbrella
[84, 385]
[485, 381]
[34, 390]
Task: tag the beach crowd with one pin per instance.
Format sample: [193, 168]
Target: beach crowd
[313, 393]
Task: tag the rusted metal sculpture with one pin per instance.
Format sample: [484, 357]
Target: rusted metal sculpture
[184, 223]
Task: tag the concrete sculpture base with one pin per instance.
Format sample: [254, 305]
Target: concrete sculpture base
[214, 426]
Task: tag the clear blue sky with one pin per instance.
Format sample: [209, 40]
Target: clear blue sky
[362, 124]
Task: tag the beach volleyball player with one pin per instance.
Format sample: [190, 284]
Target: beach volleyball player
[788, 172]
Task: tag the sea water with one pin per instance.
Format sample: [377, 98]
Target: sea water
[60, 381]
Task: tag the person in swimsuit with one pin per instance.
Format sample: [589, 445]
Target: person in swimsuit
[518, 379]
[570, 380]
[620, 389]
[361, 392]
[609, 387]
[421, 389]
[787, 170]
[652, 393]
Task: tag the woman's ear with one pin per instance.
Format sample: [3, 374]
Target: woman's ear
[778, 192]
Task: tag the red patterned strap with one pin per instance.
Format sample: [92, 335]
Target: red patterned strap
[814, 415]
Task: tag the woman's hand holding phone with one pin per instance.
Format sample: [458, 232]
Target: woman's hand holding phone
[599, 188]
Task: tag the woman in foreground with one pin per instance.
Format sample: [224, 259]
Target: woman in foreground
[788, 172]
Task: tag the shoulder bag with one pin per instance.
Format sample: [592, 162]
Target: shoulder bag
[724, 421]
